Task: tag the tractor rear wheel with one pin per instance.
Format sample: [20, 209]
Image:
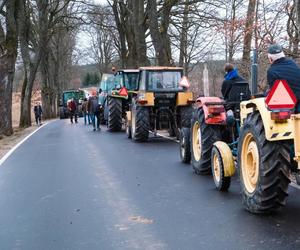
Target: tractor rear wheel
[185, 145]
[221, 181]
[203, 136]
[114, 114]
[263, 167]
[140, 123]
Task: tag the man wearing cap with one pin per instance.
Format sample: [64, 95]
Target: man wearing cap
[283, 68]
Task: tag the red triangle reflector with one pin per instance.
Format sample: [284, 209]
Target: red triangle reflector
[184, 82]
[281, 96]
[123, 92]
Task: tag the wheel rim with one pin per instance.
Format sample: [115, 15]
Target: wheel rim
[182, 147]
[216, 168]
[250, 163]
[197, 141]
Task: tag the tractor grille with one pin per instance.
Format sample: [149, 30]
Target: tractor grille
[165, 99]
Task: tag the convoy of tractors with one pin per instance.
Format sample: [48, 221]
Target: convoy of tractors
[258, 137]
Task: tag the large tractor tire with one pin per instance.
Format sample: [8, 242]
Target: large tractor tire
[186, 116]
[114, 114]
[263, 168]
[185, 145]
[203, 136]
[140, 123]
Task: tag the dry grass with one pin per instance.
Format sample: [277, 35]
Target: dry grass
[6, 143]
[16, 102]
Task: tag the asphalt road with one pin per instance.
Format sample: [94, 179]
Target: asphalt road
[68, 187]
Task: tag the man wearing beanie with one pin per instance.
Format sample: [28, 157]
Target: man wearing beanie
[283, 69]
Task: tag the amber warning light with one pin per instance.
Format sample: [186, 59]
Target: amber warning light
[281, 96]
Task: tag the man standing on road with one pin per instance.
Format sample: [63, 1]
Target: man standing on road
[283, 69]
[72, 107]
[94, 109]
[38, 113]
[86, 114]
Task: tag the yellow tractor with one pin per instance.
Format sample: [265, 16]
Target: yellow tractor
[268, 150]
[161, 102]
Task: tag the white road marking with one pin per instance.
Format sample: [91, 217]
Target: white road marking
[4, 158]
[294, 185]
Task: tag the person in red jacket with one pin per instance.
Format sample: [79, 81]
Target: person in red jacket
[72, 107]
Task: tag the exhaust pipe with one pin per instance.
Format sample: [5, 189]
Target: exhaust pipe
[254, 69]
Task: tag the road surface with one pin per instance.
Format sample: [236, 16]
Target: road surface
[68, 187]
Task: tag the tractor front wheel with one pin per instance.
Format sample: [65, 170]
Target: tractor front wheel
[185, 145]
[140, 123]
[263, 167]
[114, 114]
[221, 181]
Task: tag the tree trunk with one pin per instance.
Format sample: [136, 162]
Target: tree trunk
[121, 32]
[139, 31]
[8, 55]
[248, 36]
[183, 62]
[298, 15]
[6, 79]
[30, 66]
[159, 33]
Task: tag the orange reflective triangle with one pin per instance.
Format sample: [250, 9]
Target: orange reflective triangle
[281, 96]
[123, 92]
[184, 82]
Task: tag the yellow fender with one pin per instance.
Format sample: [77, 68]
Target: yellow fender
[273, 131]
[227, 158]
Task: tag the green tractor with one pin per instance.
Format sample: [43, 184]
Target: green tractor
[161, 102]
[119, 97]
[78, 96]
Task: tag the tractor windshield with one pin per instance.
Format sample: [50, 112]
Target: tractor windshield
[131, 80]
[163, 80]
[107, 82]
[77, 95]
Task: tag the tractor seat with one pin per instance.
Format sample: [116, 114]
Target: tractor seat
[239, 92]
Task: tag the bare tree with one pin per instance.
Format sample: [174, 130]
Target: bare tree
[8, 55]
[248, 36]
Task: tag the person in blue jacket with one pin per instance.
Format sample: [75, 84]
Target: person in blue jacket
[283, 68]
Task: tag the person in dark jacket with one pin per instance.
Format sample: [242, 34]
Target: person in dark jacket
[94, 109]
[72, 107]
[283, 68]
[38, 113]
[231, 77]
[86, 115]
